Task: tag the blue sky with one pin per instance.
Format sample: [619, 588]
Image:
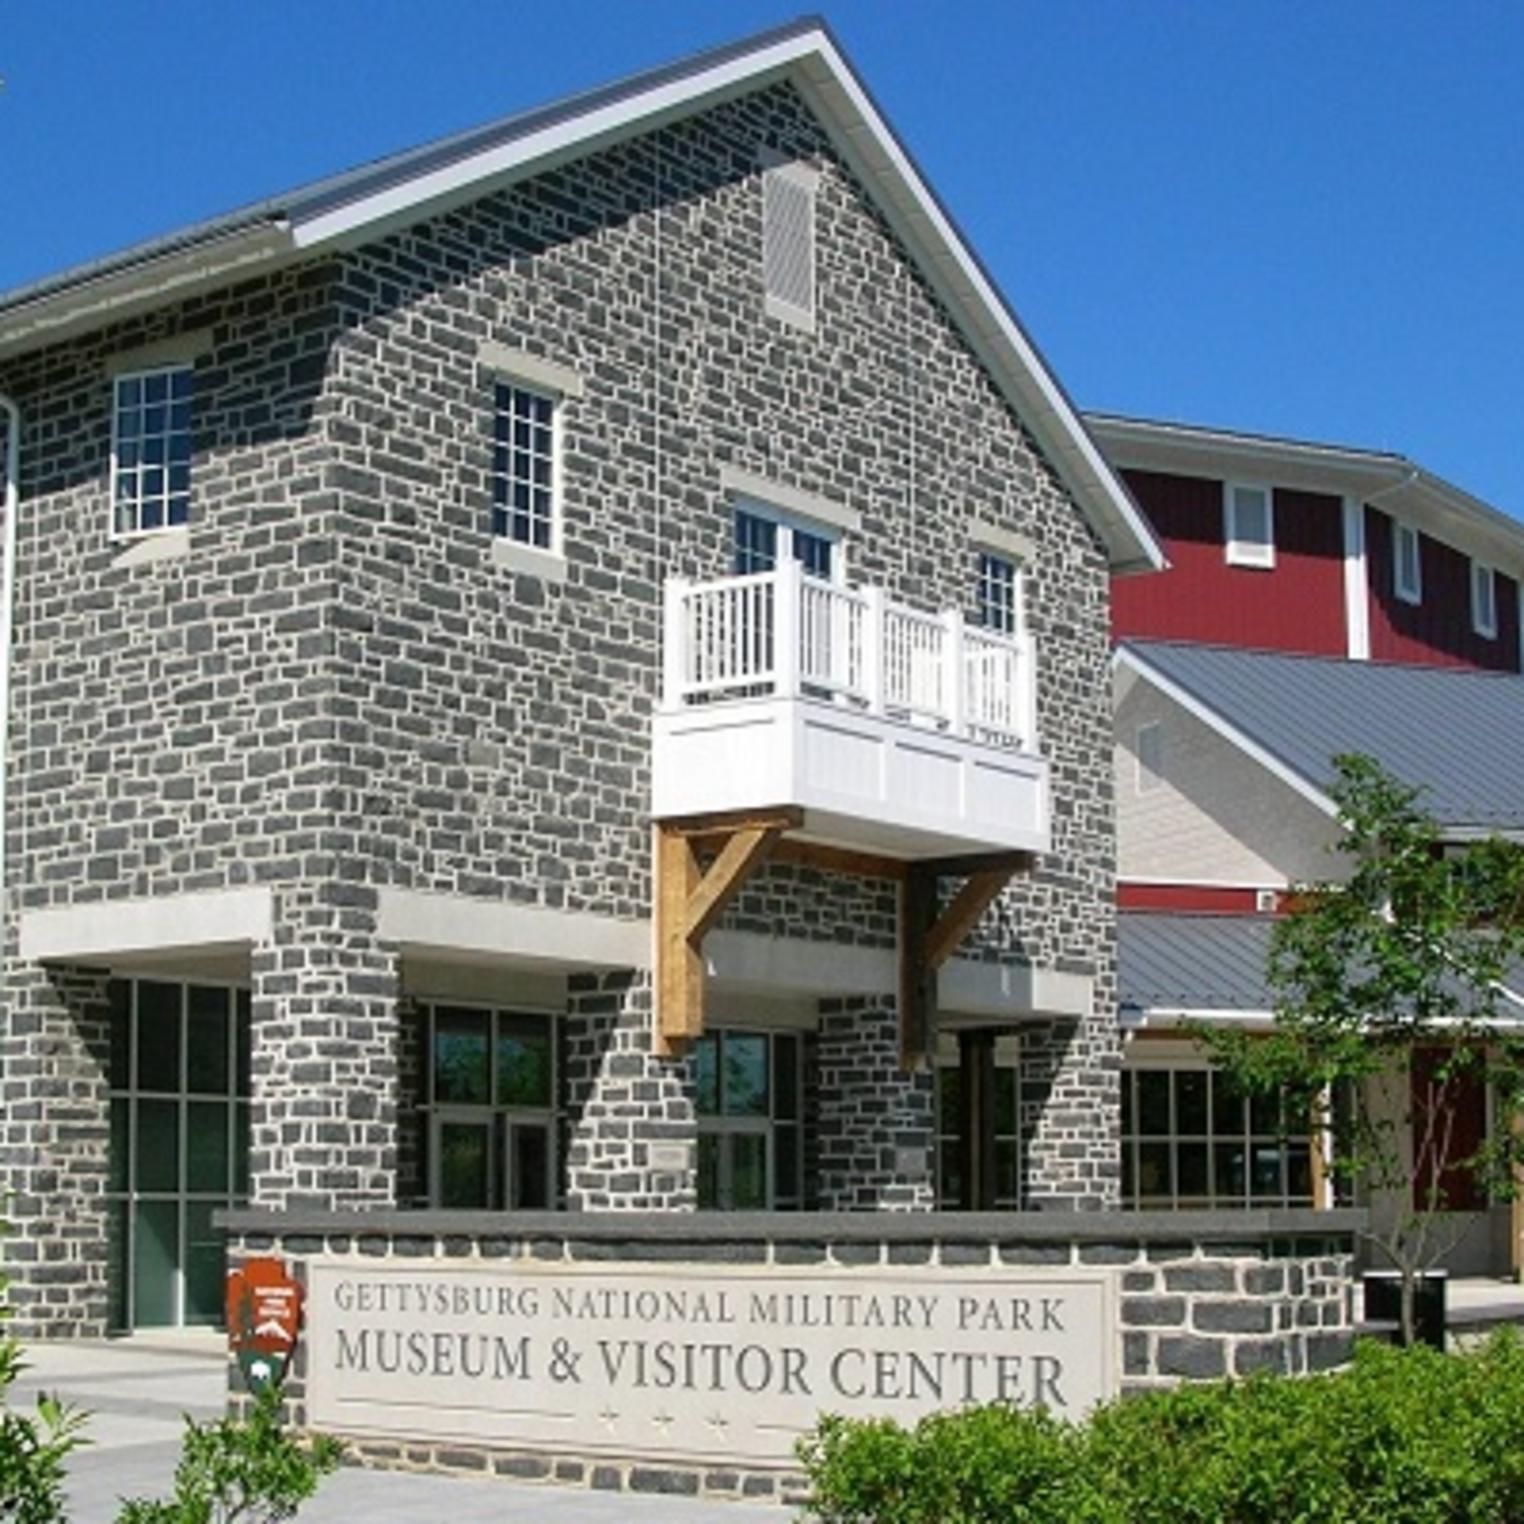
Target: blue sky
[1291, 217]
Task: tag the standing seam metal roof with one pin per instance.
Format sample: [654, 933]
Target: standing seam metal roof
[1457, 735]
[1193, 962]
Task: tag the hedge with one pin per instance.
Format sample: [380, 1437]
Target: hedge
[1399, 1437]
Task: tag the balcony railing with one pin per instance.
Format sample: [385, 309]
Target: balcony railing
[783, 634]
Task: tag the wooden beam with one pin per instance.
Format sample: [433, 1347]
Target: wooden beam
[783, 817]
[816, 854]
[978, 893]
[980, 862]
[719, 885]
[679, 967]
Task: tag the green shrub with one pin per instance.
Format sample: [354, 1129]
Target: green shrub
[250, 1469]
[33, 1446]
[1401, 1437]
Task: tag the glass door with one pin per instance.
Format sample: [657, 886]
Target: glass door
[179, 1146]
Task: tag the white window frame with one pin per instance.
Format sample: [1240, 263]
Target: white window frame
[1256, 554]
[1403, 591]
[1150, 775]
[1484, 576]
[140, 375]
[787, 523]
[986, 559]
[506, 381]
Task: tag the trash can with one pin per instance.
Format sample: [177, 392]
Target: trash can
[1383, 1302]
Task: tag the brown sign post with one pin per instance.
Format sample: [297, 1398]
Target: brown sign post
[264, 1313]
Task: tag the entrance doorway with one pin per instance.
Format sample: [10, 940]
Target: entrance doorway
[179, 1149]
[978, 1122]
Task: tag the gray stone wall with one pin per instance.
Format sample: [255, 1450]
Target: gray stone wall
[335, 689]
[875, 1126]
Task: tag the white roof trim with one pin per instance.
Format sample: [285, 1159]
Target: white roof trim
[1127, 657]
[808, 57]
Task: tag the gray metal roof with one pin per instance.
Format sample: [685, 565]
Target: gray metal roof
[1175, 962]
[334, 190]
[1457, 735]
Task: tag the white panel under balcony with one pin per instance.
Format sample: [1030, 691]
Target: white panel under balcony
[862, 780]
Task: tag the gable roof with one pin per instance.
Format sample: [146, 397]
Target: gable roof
[366, 203]
[1458, 735]
[1392, 482]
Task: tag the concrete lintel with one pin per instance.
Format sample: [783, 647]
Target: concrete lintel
[751, 960]
[492, 930]
[160, 923]
[973, 988]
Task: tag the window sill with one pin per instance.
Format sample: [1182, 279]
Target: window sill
[509, 555]
[157, 545]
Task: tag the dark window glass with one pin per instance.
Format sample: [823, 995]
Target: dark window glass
[756, 544]
[531, 1167]
[460, 1056]
[206, 1059]
[997, 594]
[706, 1076]
[786, 1083]
[1153, 1102]
[743, 1070]
[464, 1165]
[158, 1037]
[1191, 1102]
[524, 1059]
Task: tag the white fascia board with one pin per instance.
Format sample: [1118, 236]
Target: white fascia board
[117, 294]
[113, 929]
[875, 153]
[865, 140]
[1167, 1018]
[1127, 657]
[423, 195]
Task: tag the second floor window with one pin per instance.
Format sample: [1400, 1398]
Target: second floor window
[763, 540]
[1484, 601]
[1407, 564]
[524, 467]
[151, 450]
[1250, 525]
[998, 594]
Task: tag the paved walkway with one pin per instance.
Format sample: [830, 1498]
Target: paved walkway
[137, 1391]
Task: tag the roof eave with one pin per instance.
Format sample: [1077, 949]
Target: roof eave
[118, 291]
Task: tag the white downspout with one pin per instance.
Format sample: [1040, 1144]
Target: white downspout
[12, 417]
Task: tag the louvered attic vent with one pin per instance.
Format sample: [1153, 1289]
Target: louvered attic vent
[788, 242]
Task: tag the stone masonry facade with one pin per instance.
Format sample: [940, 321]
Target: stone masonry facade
[334, 689]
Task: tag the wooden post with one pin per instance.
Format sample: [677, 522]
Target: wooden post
[688, 902]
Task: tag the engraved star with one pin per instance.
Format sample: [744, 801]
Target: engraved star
[719, 1423]
[610, 1418]
[664, 1422]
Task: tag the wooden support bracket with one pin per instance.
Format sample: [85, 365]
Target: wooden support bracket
[690, 899]
[928, 939]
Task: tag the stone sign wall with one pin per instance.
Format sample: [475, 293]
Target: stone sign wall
[686, 1352]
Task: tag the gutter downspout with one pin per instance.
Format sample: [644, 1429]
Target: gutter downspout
[12, 416]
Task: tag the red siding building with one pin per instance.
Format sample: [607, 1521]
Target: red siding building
[1284, 545]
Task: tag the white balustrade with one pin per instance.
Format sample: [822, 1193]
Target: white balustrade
[781, 633]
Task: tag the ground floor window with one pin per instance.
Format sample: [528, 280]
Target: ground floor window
[179, 1087]
[1190, 1138]
[989, 1125]
[490, 1095]
[747, 1092]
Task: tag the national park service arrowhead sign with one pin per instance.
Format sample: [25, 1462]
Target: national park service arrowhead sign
[264, 1311]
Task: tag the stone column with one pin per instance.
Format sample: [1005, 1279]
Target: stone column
[1071, 1098]
[325, 1053]
[875, 1125]
[631, 1136]
[55, 1134]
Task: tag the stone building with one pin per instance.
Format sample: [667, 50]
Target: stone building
[566, 668]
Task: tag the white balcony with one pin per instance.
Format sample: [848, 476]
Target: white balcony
[896, 730]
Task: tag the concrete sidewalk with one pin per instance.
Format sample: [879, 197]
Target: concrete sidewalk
[137, 1391]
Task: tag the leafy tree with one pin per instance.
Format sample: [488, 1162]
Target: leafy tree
[1390, 1006]
[33, 1447]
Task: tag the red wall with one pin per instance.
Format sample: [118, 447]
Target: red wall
[1201, 899]
[1436, 632]
[1297, 606]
